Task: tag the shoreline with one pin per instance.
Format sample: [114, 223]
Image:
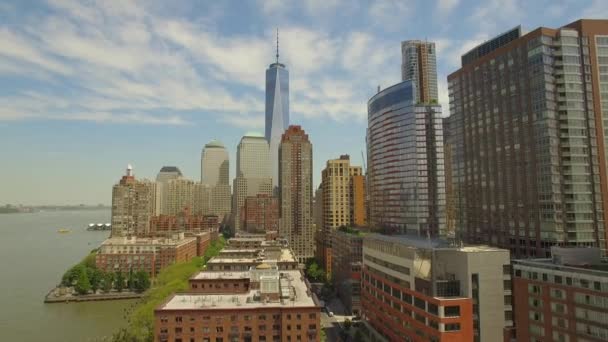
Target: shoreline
[52, 298]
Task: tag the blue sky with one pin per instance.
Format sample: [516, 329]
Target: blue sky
[87, 87]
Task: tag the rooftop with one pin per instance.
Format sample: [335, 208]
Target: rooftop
[221, 275]
[600, 269]
[214, 143]
[431, 243]
[292, 286]
[172, 169]
[132, 241]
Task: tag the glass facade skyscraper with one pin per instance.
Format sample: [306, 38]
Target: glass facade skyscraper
[277, 111]
[419, 64]
[405, 163]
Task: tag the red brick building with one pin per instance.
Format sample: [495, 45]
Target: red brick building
[260, 214]
[262, 304]
[127, 254]
[416, 289]
[183, 222]
[564, 298]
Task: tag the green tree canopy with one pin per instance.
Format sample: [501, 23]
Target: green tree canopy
[119, 281]
[83, 285]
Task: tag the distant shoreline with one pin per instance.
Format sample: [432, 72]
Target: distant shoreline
[29, 210]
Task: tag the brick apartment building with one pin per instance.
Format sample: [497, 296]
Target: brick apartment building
[417, 289]
[563, 298]
[260, 214]
[134, 254]
[347, 257]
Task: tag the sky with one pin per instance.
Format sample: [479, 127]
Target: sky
[87, 87]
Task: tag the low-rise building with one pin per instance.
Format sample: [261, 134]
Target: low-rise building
[416, 289]
[261, 304]
[563, 298]
[132, 254]
[347, 260]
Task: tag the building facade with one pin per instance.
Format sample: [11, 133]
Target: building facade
[260, 214]
[163, 177]
[529, 158]
[563, 298]
[343, 203]
[416, 289]
[419, 64]
[295, 189]
[254, 173]
[261, 304]
[215, 179]
[133, 203]
[405, 163]
[132, 254]
[277, 111]
[347, 259]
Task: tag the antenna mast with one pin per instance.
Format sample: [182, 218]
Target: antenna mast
[277, 45]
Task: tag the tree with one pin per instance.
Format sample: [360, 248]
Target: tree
[119, 281]
[347, 324]
[142, 281]
[95, 277]
[83, 286]
[108, 279]
[130, 281]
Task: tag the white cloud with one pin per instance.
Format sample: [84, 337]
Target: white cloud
[598, 9]
[446, 6]
[390, 15]
[496, 16]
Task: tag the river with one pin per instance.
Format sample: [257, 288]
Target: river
[33, 256]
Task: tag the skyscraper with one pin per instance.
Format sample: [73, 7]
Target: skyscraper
[277, 110]
[253, 172]
[295, 189]
[214, 164]
[133, 203]
[405, 162]
[165, 174]
[215, 177]
[526, 129]
[419, 64]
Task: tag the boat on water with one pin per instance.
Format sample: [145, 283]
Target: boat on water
[63, 230]
[99, 226]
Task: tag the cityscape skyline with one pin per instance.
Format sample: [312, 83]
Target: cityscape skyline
[40, 137]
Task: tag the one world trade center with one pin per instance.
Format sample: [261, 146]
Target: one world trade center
[277, 110]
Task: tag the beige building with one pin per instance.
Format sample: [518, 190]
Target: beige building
[133, 203]
[342, 204]
[180, 195]
[253, 173]
[295, 189]
[163, 177]
[214, 176]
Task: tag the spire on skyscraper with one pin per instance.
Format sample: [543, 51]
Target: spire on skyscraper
[277, 45]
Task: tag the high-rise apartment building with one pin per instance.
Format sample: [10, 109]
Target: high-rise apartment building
[295, 189]
[562, 298]
[163, 177]
[526, 128]
[277, 110]
[253, 173]
[405, 163]
[343, 203]
[180, 195]
[419, 64]
[215, 175]
[260, 214]
[416, 289]
[133, 203]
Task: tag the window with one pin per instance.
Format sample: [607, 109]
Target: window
[452, 326]
[451, 311]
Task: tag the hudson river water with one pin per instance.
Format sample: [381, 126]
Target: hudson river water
[33, 256]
